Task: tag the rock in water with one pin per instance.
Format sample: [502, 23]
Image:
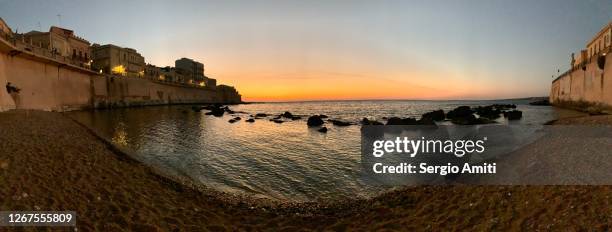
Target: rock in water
[261, 115]
[513, 115]
[460, 112]
[217, 112]
[250, 120]
[504, 106]
[233, 120]
[426, 121]
[471, 120]
[366, 121]
[436, 115]
[339, 123]
[490, 112]
[402, 121]
[314, 120]
[322, 130]
[544, 102]
[287, 114]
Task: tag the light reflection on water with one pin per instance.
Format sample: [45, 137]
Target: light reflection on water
[287, 161]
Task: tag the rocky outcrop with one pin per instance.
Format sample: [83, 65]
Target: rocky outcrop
[322, 130]
[460, 112]
[250, 120]
[287, 114]
[490, 112]
[543, 102]
[513, 115]
[217, 112]
[401, 121]
[315, 120]
[339, 123]
[436, 115]
[277, 120]
[471, 120]
[233, 120]
[366, 121]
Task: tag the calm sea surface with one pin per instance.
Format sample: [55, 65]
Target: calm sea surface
[285, 161]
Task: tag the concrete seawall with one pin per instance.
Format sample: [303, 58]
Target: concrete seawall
[587, 84]
[52, 85]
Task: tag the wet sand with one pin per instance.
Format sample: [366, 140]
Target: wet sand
[49, 162]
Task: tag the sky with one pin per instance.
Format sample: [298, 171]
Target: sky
[286, 50]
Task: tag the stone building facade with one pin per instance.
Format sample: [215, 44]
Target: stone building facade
[5, 29]
[587, 82]
[112, 59]
[61, 42]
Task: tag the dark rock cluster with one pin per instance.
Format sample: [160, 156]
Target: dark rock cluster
[339, 123]
[366, 121]
[543, 102]
[315, 120]
[513, 115]
[462, 115]
[436, 115]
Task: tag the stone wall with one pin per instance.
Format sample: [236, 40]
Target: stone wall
[590, 83]
[52, 85]
[113, 91]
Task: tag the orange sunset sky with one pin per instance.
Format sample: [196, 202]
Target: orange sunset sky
[320, 50]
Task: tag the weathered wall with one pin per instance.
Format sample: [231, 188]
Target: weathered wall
[5, 99]
[588, 84]
[131, 91]
[45, 86]
[48, 84]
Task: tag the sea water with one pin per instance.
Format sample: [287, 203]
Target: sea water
[287, 161]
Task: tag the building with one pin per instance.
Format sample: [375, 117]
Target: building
[210, 82]
[5, 29]
[153, 72]
[60, 42]
[601, 41]
[167, 74]
[190, 68]
[112, 59]
[193, 71]
[587, 83]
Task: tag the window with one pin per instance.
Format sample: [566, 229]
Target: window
[73, 52]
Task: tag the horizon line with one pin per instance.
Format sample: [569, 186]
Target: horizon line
[379, 99]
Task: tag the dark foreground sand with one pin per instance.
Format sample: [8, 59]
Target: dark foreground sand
[49, 162]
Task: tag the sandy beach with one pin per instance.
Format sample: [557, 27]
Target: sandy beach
[49, 162]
